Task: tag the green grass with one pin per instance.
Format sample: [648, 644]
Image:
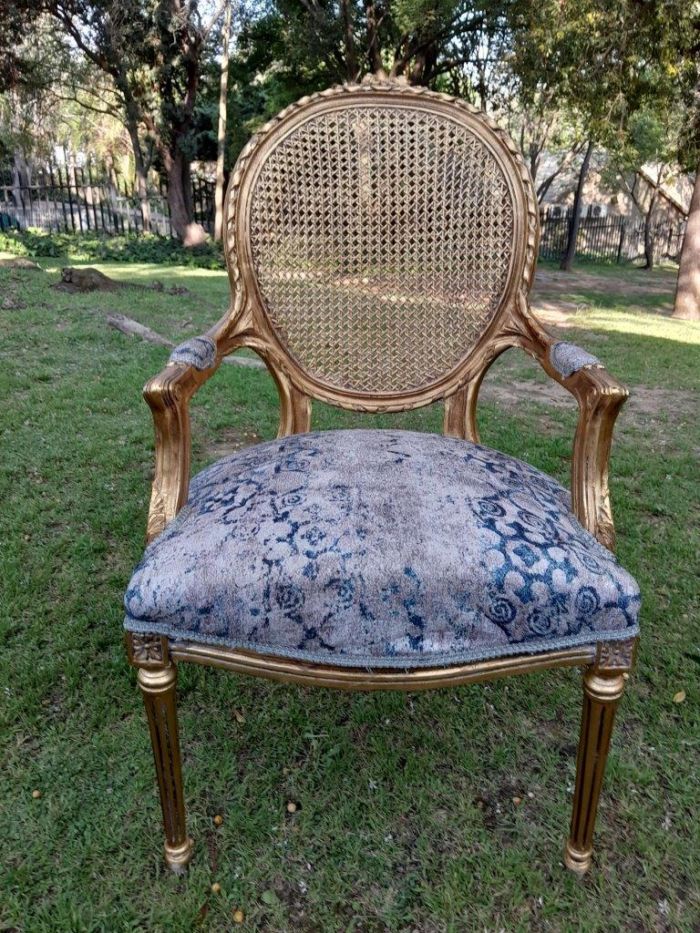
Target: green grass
[406, 818]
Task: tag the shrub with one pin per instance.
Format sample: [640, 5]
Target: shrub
[85, 247]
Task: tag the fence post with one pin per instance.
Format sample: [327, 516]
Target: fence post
[70, 196]
[621, 244]
[56, 192]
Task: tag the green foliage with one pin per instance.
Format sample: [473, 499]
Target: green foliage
[608, 60]
[86, 247]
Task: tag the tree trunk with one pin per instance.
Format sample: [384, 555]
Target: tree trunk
[687, 303]
[534, 154]
[221, 136]
[648, 237]
[141, 178]
[180, 201]
[568, 257]
[18, 178]
[349, 38]
[547, 182]
[132, 118]
[373, 51]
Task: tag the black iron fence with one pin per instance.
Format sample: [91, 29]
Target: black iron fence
[610, 239]
[84, 198]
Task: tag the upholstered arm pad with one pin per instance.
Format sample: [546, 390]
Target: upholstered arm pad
[567, 358]
[199, 352]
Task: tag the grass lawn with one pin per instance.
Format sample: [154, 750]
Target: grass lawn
[406, 818]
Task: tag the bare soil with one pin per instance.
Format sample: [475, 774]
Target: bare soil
[672, 405]
[551, 284]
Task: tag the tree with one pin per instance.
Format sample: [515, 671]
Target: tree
[152, 52]
[109, 35]
[315, 43]
[642, 160]
[687, 79]
[221, 134]
[17, 19]
[567, 259]
[596, 59]
[687, 302]
[544, 130]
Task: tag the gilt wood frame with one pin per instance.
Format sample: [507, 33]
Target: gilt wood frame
[246, 324]
[598, 395]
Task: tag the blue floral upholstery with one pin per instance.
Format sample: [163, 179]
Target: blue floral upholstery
[567, 358]
[380, 549]
[199, 352]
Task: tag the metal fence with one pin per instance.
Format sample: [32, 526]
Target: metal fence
[84, 198]
[610, 239]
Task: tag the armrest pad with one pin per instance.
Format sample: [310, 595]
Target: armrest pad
[566, 358]
[199, 352]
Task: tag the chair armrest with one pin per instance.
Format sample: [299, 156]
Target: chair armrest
[168, 395]
[600, 397]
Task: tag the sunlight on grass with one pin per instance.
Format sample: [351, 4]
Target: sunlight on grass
[124, 271]
[640, 323]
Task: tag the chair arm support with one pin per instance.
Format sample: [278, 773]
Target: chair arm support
[600, 397]
[168, 395]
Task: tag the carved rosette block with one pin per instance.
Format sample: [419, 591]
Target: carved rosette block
[146, 649]
[616, 655]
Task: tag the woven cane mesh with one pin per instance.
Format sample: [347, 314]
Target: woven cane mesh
[382, 239]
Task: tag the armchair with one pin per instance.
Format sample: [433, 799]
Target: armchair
[381, 241]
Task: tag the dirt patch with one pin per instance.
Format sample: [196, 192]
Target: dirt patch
[11, 303]
[551, 285]
[19, 263]
[552, 280]
[674, 406]
[230, 441]
[85, 280]
[92, 280]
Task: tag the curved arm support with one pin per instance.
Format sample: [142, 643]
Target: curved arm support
[168, 395]
[600, 397]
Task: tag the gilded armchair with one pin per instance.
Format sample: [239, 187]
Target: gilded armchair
[381, 242]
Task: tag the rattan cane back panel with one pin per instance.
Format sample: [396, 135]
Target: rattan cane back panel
[382, 240]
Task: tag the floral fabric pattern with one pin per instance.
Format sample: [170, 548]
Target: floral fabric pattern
[376, 548]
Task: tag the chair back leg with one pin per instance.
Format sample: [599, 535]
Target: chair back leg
[158, 688]
[602, 690]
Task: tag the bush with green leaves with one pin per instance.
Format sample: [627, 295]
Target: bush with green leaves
[87, 247]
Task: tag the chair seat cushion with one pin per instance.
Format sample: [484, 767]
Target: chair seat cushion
[377, 548]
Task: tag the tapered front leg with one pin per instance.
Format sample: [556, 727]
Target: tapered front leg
[603, 684]
[158, 688]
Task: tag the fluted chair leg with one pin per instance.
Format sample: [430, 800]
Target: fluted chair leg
[601, 693]
[158, 688]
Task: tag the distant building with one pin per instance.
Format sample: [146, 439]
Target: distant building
[599, 200]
